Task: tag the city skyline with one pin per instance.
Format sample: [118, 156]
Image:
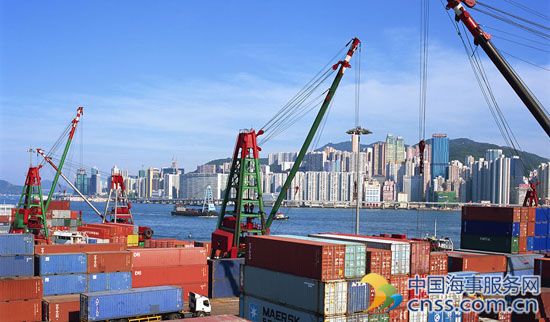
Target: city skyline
[145, 97]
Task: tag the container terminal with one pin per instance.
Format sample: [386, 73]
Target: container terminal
[55, 267]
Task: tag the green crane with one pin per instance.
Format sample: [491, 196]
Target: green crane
[243, 190]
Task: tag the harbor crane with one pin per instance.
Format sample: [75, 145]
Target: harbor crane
[242, 211]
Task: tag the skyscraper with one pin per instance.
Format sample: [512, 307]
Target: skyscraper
[81, 182]
[95, 182]
[395, 149]
[440, 155]
[379, 159]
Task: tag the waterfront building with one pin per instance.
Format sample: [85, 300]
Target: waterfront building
[314, 161]
[171, 182]
[516, 179]
[152, 176]
[379, 159]
[543, 176]
[95, 182]
[388, 191]
[206, 168]
[500, 180]
[81, 183]
[277, 158]
[371, 195]
[412, 186]
[493, 154]
[440, 155]
[480, 181]
[395, 149]
[193, 185]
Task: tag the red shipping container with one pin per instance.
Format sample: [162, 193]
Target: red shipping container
[379, 262]
[63, 308]
[206, 244]
[438, 263]
[18, 311]
[399, 314]
[504, 317]
[422, 294]
[102, 262]
[95, 231]
[179, 256]
[77, 248]
[176, 275]
[470, 317]
[59, 205]
[76, 214]
[522, 244]
[121, 229]
[481, 263]
[317, 260]
[531, 214]
[401, 283]
[4, 219]
[531, 228]
[20, 288]
[199, 288]
[523, 229]
[420, 257]
[500, 214]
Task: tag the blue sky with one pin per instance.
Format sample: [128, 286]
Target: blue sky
[178, 79]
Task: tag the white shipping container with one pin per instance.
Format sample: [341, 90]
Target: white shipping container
[61, 214]
[5, 209]
[400, 251]
[420, 316]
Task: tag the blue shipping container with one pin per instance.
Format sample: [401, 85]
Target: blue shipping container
[224, 276]
[255, 309]
[520, 262]
[530, 243]
[17, 265]
[64, 284]
[444, 316]
[61, 264]
[101, 306]
[100, 282]
[541, 214]
[358, 296]
[539, 243]
[490, 228]
[16, 244]
[541, 228]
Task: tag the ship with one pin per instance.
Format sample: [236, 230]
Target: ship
[208, 208]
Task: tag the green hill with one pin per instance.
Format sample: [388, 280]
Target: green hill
[7, 188]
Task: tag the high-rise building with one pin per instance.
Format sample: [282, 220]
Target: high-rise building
[379, 159]
[193, 185]
[171, 185]
[152, 182]
[388, 191]
[371, 196]
[95, 182]
[492, 154]
[440, 155]
[516, 179]
[395, 149]
[481, 181]
[81, 182]
[500, 180]
[543, 176]
[412, 186]
[314, 161]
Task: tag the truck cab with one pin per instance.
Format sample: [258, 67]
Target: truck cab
[199, 305]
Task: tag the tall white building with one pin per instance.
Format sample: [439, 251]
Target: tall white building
[500, 180]
[193, 185]
[171, 185]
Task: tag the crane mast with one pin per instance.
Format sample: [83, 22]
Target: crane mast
[483, 39]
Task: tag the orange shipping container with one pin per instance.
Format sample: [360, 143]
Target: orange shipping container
[523, 229]
[401, 283]
[63, 308]
[522, 244]
[78, 248]
[481, 263]
[438, 263]
[379, 261]
[153, 257]
[17, 311]
[399, 315]
[21, 288]
[531, 228]
[101, 262]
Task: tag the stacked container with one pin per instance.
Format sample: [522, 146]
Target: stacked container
[109, 271]
[303, 279]
[224, 277]
[16, 255]
[62, 308]
[62, 273]
[541, 241]
[5, 218]
[181, 266]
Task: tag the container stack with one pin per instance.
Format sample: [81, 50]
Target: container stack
[185, 267]
[304, 278]
[20, 291]
[62, 274]
[542, 268]
[224, 277]
[5, 218]
[111, 233]
[541, 242]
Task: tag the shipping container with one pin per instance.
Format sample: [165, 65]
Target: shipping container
[379, 317]
[100, 306]
[99, 262]
[16, 244]
[379, 261]
[174, 275]
[438, 263]
[113, 281]
[255, 309]
[520, 262]
[470, 317]
[541, 228]
[318, 260]
[542, 268]
[530, 243]
[195, 287]
[401, 284]
[494, 228]
[214, 318]
[482, 263]
[323, 298]
[61, 214]
[420, 257]
[355, 257]
[418, 316]
[444, 316]
[51, 264]
[399, 314]
[224, 277]
[18, 311]
[62, 308]
[153, 257]
[16, 265]
[490, 243]
[358, 296]
[400, 251]
[541, 214]
[20, 288]
[64, 284]
[499, 214]
[77, 248]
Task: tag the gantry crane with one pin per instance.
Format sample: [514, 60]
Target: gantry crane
[242, 211]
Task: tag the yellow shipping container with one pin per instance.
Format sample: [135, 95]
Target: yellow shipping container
[133, 240]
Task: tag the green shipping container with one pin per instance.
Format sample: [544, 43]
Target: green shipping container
[385, 317]
[500, 244]
[141, 244]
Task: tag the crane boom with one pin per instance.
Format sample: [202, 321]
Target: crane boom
[74, 123]
[342, 65]
[484, 40]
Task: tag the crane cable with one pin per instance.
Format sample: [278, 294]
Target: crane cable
[423, 79]
[531, 30]
[487, 92]
[527, 9]
[536, 24]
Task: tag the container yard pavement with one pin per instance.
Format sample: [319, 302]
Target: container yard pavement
[228, 305]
